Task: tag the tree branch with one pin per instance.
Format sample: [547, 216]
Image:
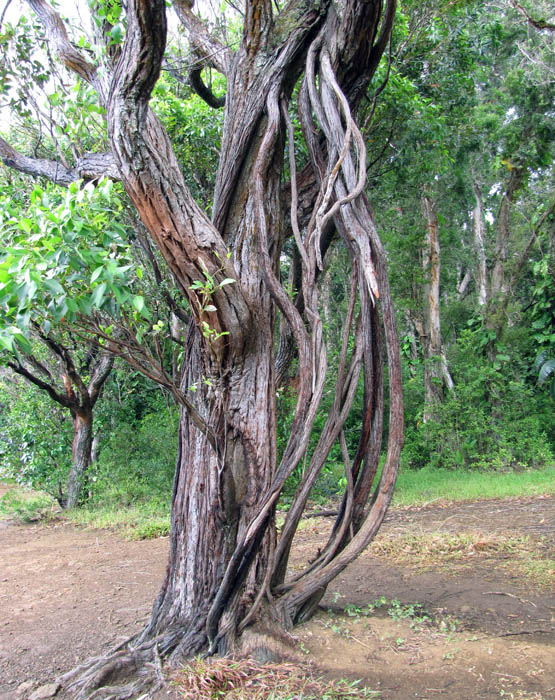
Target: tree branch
[57, 34]
[539, 24]
[195, 78]
[202, 39]
[62, 399]
[91, 166]
[187, 240]
[100, 374]
[62, 353]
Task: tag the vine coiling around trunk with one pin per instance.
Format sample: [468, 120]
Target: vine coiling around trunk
[227, 568]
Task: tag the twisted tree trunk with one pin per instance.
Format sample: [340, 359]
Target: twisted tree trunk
[226, 569]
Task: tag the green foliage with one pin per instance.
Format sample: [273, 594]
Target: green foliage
[494, 421]
[65, 255]
[145, 520]
[419, 486]
[26, 506]
[35, 438]
[195, 130]
[137, 460]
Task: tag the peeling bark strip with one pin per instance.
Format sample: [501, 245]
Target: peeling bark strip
[226, 569]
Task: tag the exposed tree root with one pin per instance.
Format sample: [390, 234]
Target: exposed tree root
[130, 672]
[105, 676]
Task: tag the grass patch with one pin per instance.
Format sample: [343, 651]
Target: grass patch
[433, 548]
[540, 571]
[437, 550]
[416, 487]
[26, 506]
[247, 680]
[137, 522]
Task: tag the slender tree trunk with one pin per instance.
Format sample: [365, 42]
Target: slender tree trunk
[480, 248]
[80, 455]
[436, 372]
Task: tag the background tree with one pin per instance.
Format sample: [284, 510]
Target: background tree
[454, 116]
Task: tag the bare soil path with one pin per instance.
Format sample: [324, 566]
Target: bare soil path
[67, 594]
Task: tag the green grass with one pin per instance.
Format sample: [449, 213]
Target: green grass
[137, 522]
[150, 518]
[431, 484]
[25, 505]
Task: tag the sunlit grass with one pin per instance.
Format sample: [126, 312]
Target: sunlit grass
[430, 484]
[25, 505]
[137, 522]
[437, 550]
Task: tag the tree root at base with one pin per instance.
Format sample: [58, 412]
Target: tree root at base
[104, 677]
[137, 671]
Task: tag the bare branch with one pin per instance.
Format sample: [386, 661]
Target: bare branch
[202, 37]
[57, 34]
[62, 399]
[91, 166]
[195, 77]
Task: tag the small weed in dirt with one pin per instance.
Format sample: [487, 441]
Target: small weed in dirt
[247, 680]
[540, 571]
[25, 506]
[414, 612]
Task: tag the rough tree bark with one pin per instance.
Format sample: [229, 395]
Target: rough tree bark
[227, 569]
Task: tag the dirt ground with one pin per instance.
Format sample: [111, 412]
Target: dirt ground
[484, 629]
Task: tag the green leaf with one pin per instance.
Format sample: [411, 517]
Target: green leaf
[98, 295]
[53, 286]
[138, 303]
[6, 341]
[26, 225]
[228, 280]
[96, 274]
[24, 343]
[117, 33]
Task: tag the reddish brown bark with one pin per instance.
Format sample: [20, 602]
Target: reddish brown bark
[226, 569]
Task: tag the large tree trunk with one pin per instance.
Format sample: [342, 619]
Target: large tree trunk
[216, 496]
[226, 570]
